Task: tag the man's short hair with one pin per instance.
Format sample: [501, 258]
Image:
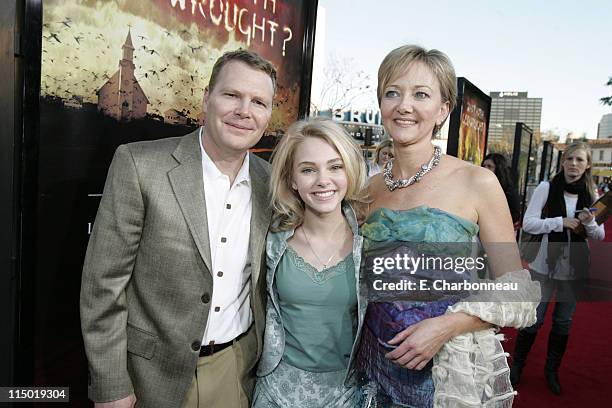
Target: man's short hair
[248, 57]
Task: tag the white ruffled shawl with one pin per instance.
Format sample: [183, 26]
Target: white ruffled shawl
[471, 370]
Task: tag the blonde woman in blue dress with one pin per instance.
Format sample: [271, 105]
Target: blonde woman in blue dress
[313, 259]
[443, 352]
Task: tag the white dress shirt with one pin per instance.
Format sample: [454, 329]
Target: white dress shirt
[228, 211]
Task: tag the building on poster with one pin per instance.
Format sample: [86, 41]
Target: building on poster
[166, 60]
[122, 97]
[174, 117]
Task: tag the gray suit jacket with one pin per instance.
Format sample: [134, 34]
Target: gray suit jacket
[147, 282]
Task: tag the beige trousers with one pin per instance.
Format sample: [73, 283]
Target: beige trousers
[225, 379]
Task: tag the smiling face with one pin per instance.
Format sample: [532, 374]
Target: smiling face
[574, 164]
[411, 105]
[319, 176]
[237, 109]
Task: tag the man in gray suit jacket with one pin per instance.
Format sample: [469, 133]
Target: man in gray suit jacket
[172, 294]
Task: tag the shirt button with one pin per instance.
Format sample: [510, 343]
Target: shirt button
[206, 297]
[223, 239]
[220, 274]
[195, 346]
[217, 309]
[228, 206]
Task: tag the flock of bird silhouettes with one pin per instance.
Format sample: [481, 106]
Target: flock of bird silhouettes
[79, 81]
[176, 84]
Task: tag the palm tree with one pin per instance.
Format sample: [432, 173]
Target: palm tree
[607, 100]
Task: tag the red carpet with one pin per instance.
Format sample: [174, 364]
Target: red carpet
[586, 371]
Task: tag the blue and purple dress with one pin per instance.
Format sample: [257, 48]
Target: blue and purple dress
[390, 234]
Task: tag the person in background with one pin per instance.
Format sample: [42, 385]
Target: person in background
[313, 259]
[497, 164]
[423, 198]
[382, 154]
[560, 211]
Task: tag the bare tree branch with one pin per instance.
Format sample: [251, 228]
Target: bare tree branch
[342, 85]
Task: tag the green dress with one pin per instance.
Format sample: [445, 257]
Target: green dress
[318, 311]
[389, 233]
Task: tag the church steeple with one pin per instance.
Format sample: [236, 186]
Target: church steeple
[121, 97]
[128, 47]
[127, 79]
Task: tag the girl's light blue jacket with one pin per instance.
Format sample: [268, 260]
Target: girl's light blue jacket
[274, 335]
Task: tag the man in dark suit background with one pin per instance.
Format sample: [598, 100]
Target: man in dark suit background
[172, 295]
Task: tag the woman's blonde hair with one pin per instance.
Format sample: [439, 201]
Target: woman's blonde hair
[588, 176]
[397, 62]
[286, 202]
[381, 145]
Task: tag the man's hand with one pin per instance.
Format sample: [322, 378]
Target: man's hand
[127, 402]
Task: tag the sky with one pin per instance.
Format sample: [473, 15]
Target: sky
[560, 51]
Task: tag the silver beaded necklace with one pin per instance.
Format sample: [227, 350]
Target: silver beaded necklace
[401, 183]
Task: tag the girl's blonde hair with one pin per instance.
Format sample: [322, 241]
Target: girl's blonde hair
[286, 202]
[588, 176]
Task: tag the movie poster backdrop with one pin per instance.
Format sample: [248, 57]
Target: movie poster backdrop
[555, 165]
[469, 123]
[118, 71]
[521, 159]
[546, 161]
